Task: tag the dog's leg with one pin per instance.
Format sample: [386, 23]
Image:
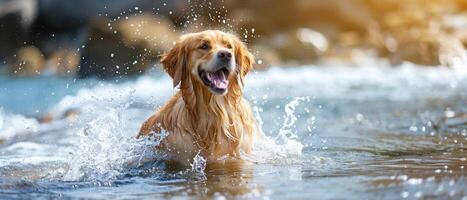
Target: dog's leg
[150, 126]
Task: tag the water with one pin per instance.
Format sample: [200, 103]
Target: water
[333, 132]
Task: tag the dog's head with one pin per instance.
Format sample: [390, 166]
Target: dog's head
[214, 60]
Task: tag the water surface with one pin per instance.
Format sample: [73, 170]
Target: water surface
[334, 132]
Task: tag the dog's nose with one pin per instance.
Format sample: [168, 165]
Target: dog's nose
[224, 55]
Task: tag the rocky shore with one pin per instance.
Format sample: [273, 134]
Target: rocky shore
[110, 38]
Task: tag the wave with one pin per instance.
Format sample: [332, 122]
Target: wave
[14, 125]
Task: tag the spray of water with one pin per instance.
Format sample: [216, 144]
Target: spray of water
[285, 148]
[105, 152]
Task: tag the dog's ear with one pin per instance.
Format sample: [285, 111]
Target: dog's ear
[243, 57]
[174, 63]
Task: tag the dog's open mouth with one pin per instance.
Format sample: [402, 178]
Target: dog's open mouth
[216, 81]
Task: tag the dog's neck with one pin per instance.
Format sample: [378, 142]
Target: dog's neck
[214, 114]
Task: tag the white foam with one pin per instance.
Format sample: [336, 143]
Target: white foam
[12, 125]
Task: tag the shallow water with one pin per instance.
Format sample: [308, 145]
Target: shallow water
[333, 132]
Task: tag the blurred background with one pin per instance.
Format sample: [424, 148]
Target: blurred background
[109, 38]
[358, 99]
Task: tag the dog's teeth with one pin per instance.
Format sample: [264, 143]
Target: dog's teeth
[217, 79]
[222, 75]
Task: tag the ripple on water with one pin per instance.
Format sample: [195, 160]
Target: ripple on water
[368, 132]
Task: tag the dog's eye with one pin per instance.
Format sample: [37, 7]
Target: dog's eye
[229, 46]
[204, 46]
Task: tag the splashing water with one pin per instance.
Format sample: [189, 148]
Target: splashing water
[105, 152]
[199, 164]
[285, 148]
[286, 131]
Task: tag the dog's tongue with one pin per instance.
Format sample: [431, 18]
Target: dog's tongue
[218, 79]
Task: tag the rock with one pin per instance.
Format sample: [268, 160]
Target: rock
[126, 47]
[60, 13]
[59, 28]
[104, 55]
[451, 52]
[461, 34]
[419, 48]
[297, 45]
[69, 115]
[425, 48]
[11, 34]
[28, 61]
[265, 56]
[64, 61]
[126, 38]
[399, 30]
[147, 31]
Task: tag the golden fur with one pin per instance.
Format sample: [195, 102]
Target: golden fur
[196, 119]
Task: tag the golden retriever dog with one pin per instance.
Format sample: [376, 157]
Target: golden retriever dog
[208, 115]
